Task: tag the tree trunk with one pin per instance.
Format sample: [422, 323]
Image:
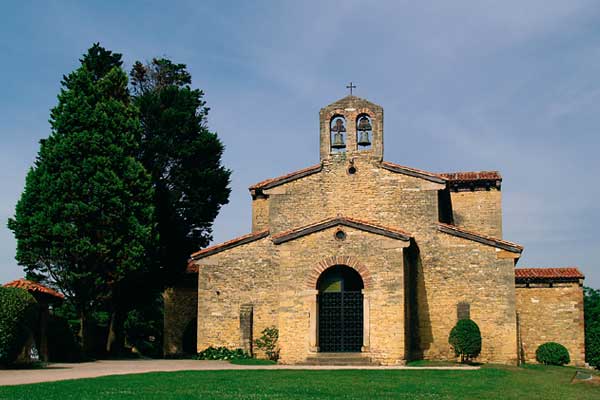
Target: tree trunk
[114, 341]
[83, 333]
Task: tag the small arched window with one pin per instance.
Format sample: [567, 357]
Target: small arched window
[364, 132]
[337, 128]
[463, 310]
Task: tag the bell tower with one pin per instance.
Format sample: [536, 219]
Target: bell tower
[351, 126]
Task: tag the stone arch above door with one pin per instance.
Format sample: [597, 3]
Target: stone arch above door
[349, 261]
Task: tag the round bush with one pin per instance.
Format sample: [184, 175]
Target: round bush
[18, 315]
[552, 353]
[465, 339]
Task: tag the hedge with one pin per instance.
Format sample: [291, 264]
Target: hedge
[18, 316]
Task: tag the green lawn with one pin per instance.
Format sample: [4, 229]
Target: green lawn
[491, 382]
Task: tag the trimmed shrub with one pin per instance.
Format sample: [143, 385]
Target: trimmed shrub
[18, 316]
[465, 339]
[268, 343]
[222, 353]
[552, 353]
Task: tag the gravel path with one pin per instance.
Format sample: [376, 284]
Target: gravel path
[59, 372]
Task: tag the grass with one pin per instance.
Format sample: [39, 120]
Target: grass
[490, 382]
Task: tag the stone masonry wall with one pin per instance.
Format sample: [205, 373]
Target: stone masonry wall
[380, 257]
[372, 193]
[226, 281]
[450, 270]
[180, 307]
[551, 314]
[260, 214]
[479, 210]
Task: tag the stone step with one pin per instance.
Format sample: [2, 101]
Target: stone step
[338, 359]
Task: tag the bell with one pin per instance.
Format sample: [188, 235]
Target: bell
[364, 124]
[339, 126]
[363, 138]
[338, 141]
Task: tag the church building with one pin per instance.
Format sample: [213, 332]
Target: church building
[364, 261]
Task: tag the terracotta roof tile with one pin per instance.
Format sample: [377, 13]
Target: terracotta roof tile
[469, 176]
[269, 183]
[341, 220]
[478, 237]
[34, 287]
[548, 273]
[251, 237]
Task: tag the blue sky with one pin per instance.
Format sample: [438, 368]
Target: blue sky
[511, 85]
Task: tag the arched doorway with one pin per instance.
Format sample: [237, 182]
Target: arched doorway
[190, 337]
[340, 301]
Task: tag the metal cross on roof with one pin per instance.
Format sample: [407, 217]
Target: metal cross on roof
[351, 86]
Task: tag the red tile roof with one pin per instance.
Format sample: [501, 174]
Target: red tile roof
[34, 287]
[472, 176]
[291, 234]
[419, 173]
[251, 237]
[548, 273]
[478, 237]
[269, 183]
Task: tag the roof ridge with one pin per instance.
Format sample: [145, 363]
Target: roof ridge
[272, 182]
[248, 238]
[480, 237]
[340, 220]
[419, 173]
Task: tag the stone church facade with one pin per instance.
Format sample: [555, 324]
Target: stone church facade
[377, 260]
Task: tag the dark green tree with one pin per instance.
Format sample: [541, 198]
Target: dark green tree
[184, 159]
[86, 219]
[592, 326]
[465, 339]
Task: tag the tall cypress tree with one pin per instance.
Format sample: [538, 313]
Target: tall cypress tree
[86, 219]
[184, 159]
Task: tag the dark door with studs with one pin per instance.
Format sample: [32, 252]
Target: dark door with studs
[340, 302]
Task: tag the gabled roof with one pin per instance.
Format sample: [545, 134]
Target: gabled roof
[251, 237]
[478, 237]
[34, 287]
[352, 101]
[292, 234]
[269, 183]
[547, 274]
[418, 173]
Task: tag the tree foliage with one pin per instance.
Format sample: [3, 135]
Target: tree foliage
[552, 353]
[18, 311]
[183, 158]
[85, 218]
[465, 339]
[592, 326]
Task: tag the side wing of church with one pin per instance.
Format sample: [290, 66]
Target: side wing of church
[376, 260]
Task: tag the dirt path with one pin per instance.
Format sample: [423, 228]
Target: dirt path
[59, 372]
